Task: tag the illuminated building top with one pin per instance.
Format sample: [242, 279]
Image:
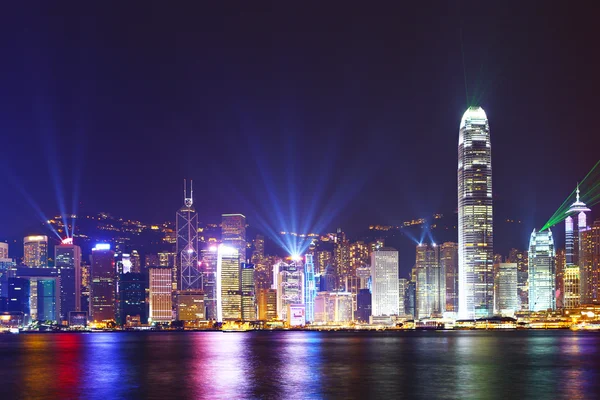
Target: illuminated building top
[473, 116]
[578, 205]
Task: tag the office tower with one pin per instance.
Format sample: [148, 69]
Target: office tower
[571, 285]
[267, 304]
[103, 284]
[85, 287]
[475, 225]
[44, 293]
[248, 293]
[559, 283]
[18, 297]
[160, 295]
[363, 305]
[209, 281]
[123, 262]
[507, 296]
[229, 295]
[574, 229]
[67, 260]
[402, 288]
[411, 298]
[449, 264]
[233, 233]
[590, 241]
[35, 251]
[384, 285]
[190, 306]
[333, 307]
[151, 260]
[186, 268]
[166, 259]
[341, 259]
[136, 263]
[132, 298]
[3, 250]
[310, 289]
[359, 256]
[324, 258]
[541, 271]
[289, 285]
[521, 259]
[431, 282]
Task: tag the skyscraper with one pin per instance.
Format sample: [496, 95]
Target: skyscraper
[475, 222]
[541, 271]
[384, 285]
[233, 233]
[102, 284]
[590, 241]
[267, 304]
[248, 293]
[229, 294]
[209, 281]
[35, 251]
[310, 290]
[574, 245]
[3, 250]
[187, 245]
[521, 259]
[132, 297]
[431, 288]
[289, 285]
[571, 286]
[560, 278]
[160, 292]
[507, 296]
[67, 259]
[449, 265]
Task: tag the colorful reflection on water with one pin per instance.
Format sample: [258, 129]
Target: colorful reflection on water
[534, 364]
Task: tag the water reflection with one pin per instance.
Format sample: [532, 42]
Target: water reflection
[478, 365]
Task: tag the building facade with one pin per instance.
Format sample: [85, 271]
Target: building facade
[67, 260]
[186, 272]
[35, 251]
[229, 294]
[449, 264]
[431, 282]
[542, 271]
[384, 285]
[506, 288]
[103, 285]
[475, 216]
[160, 288]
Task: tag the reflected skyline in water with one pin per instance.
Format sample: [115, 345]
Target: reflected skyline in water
[451, 364]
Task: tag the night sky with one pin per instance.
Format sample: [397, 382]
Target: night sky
[300, 118]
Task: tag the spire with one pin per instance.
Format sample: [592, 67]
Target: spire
[577, 193]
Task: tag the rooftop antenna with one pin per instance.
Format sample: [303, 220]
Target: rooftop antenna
[187, 200]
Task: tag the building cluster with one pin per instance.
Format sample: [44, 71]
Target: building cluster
[206, 282]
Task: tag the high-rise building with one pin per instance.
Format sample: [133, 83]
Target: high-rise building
[103, 284]
[411, 299]
[289, 285]
[574, 245]
[160, 290]
[35, 251]
[151, 260]
[209, 281]
[229, 294]
[67, 260]
[341, 258]
[520, 258]
[136, 262]
[402, 288]
[310, 289]
[431, 282]
[560, 278]
[571, 285]
[324, 258]
[3, 250]
[233, 233]
[267, 304]
[259, 249]
[132, 297]
[542, 271]
[248, 293]
[384, 285]
[475, 222]
[363, 274]
[507, 297]
[449, 264]
[187, 268]
[44, 294]
[590, 241]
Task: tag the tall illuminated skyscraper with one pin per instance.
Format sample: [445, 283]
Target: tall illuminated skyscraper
[160, 293]
[310, 290]
[187, 245]
[289, 283]
[449, 266]
[3, 250]
[542, 271]
[431, 282]
[248, 293]
[384, 285]
[103, 285]
[67, 259]
[233, 233]
[475, 223]
[520, 258]
[590, 242]
[35, 251]
[575, 248]
[507, 295]
[229, 294]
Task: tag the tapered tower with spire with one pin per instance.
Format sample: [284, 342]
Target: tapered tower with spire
[187, 272]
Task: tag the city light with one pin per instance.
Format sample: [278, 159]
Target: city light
[68, 240]
[102, 246]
